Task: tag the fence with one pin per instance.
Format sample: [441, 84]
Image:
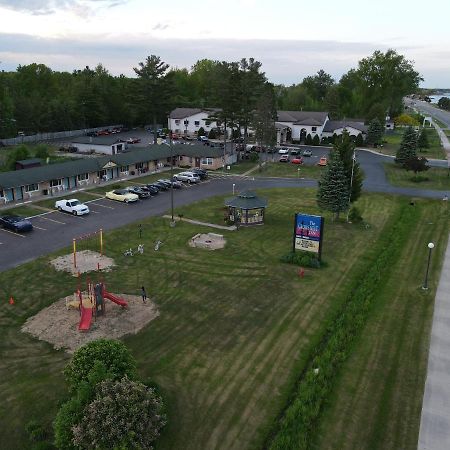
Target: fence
[55, 135]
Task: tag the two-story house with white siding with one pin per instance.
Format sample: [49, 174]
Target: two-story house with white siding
[187, 121]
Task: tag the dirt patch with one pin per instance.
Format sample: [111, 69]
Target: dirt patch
[209, 241]
[87, 261]
[59, 326]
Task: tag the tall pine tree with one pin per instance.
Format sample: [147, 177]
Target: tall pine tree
[375, 133]
[408, 146]
[334, 189]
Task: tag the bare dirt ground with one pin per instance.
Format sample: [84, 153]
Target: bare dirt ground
[59, 326]
[87, 261]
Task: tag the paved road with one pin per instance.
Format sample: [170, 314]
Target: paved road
[443, 116]
[56, 230]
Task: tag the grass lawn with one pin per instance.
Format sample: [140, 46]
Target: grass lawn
[392, 143]
[25, 211]
[235, 327]
[378, 399]
[240, 167]
[277, 169]
[436, 178]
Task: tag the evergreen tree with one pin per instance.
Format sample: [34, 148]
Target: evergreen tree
[408, 146]
[316, 140]
[416, 164]
[375, 133]
[201, 132]
[333, 192]
[345, 147]
[422, 141]
[308, 140]
[359, 140]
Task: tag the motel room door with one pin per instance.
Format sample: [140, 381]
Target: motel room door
[197, 162]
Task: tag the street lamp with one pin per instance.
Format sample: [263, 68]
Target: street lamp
[172, 222]
[425, 283]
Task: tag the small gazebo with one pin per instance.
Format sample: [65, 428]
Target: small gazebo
[246, 208]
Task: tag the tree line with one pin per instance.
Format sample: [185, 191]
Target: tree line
[35, 98]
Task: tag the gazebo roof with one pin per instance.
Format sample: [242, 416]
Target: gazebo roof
[246, 200]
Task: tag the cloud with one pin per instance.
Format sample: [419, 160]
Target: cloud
[160, 26]
[284, 61]
[46, 7]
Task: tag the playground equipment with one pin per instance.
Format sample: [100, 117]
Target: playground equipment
[131, 252]
[78, 241]
[91, 303]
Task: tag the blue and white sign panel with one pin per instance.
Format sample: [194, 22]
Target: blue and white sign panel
[308, 233]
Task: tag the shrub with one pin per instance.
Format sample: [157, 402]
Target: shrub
[212, 134]
[254, 157]
[36, 431]
[201, 131]
[301, 259]
[113, 355]
[123, 414]
[359, 140]
[355, 215]
[308, 140]
[316, 140]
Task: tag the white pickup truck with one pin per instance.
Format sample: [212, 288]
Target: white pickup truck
[72, 206]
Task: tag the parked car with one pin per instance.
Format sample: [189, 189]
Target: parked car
[16, 223]
[294, 151]
[322, 161]
[202, 173]
[297, 160]
[153, 190]
[307, 152]
[284, 158]
[161, 186]
[188, 177]
[133, 140]
[271, 150]
[165, 182]
[122, 195]
[177, 184]
[203, 138]
[141, 193]
[283, 151]
[72, 206]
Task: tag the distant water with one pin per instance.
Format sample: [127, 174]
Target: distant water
[436, 98]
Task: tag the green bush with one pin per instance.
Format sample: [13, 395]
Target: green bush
[301, 259]
[316, 140]
[355, 215]
[309, 140]
[113, 355]
[254, 157]
[212, 134]
[36, 431]
[201, 132]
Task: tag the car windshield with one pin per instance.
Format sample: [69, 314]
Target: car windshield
[120, 192]
[75, 203]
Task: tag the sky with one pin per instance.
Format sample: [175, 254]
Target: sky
[291, 38]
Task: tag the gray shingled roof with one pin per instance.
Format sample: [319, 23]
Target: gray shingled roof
[302, 116]
[153, 152]
[96, 140]
[26, 162]
[332, 125]
[181, 113]
[246, 200]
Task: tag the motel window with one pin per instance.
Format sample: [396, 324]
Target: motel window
[197, 123]
[83, 177]
[207, 123]
[186, 122]
[177, 130]
[101, 174]
[314, 129]
[177, 122]
[30, 188]
[124, 169]
[207, 161]
[139, 165]
[55, 183]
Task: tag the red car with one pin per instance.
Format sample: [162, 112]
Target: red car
[297, 161]
[133, 140]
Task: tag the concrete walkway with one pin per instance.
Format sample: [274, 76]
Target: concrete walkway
[205, 224]
[434, 431]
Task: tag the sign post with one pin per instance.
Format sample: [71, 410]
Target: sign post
[308, 233]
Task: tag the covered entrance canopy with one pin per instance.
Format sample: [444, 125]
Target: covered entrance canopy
[246, 208]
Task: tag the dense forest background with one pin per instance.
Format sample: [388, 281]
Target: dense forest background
[36, 98]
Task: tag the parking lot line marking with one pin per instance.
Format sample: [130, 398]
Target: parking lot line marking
[53, 220]
[94, 212]
[39, 228]
[103, 206]
[12, 232]
[1, 243]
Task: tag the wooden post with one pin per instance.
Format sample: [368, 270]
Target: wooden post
[74, 242]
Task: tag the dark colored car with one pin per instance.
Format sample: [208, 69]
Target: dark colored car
[165, 182]
[177, 184]
[152, 189]
[161, 186]
[200, 172]
[16, 223]
[141, 193]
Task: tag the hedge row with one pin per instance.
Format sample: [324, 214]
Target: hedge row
[301, 259]
[296, 427]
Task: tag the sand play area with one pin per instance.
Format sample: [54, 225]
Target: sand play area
[87, 261]
[59, 326]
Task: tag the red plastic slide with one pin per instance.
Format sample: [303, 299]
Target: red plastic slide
[86, 318]
[113, 298]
